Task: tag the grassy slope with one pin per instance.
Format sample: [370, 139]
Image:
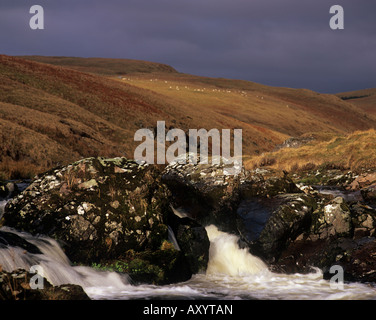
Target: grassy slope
[355, 152]
[51, 114]
[105, 66]
[364, 99]
[288, 111]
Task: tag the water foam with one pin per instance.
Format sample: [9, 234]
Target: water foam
[56, 267]
[225, 256]
[233, 273]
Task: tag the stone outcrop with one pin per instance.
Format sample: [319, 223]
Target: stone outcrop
[101, 208]
[115, 212]
[342, 232]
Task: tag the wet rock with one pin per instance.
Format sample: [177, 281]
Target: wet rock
[9, 239]
[332, 221]
[15, 285]
[340, 234]
[99, 209]
[8, 190]
[211, 195]
[291, 217]
[205, 192]
[360, 263]
[356, 257]
[369, 193]
[193, 241]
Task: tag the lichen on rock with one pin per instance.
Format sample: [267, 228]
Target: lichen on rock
[99, 209]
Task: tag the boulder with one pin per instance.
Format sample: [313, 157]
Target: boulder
[289, 219]
[355, 256]
[333, 220]
[212, 194]
[363, 180]
[15, 285]
[340, 234]
[8, 190]
[369, 193]
[193, 241]
[267, 184]
[208, 193]
[99, 209]
[363, 220]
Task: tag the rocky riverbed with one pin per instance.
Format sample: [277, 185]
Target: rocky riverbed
[150, 222]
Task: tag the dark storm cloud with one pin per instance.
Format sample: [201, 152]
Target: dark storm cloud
[281, 43]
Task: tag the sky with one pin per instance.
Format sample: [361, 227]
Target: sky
[285, 43]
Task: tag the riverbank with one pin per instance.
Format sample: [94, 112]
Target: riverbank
[123, 218]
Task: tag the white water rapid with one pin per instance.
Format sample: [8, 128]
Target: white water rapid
[232, 273]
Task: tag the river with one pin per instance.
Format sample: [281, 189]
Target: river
[232, 273]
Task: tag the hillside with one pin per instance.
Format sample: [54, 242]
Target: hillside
[355, 151]
[364, 99]
[55, 114]
[104, 66]
[288, 111]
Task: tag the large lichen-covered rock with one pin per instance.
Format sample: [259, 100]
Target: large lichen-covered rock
[98, 208]
[213, 193]
[110, 210]
[333, 221]
[208, 193]
[266, 183]
[341, 233]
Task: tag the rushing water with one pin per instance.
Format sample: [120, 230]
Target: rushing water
[232, 273]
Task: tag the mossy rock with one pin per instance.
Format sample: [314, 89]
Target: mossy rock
[99, 208]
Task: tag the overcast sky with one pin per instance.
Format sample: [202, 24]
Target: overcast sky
[277, 42]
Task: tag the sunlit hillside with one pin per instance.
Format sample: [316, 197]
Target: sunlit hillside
[62, 109]
[356, 152]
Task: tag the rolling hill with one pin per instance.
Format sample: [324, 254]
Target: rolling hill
[54, 110]
[364, 99]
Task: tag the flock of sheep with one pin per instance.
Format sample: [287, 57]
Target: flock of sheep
[178, 88]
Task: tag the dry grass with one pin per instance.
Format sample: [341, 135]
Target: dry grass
[356, 151]
[105, 66]
[13, 170]
[364, 99]
[51, 115]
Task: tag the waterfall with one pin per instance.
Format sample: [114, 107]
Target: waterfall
[54, 265]
[232, 273]
[225, 256]
[2, 207]
[172, 238]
